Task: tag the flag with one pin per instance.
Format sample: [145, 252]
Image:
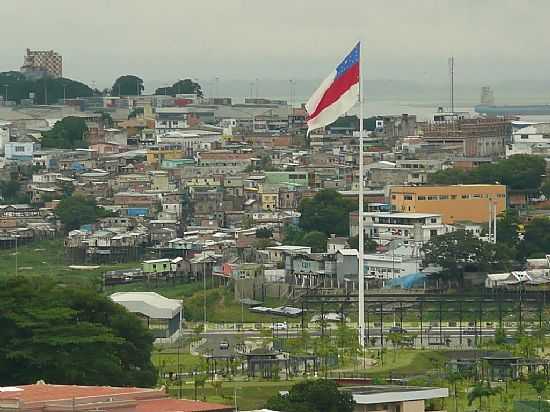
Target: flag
[337, 94]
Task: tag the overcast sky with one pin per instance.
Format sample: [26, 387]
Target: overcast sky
[163, 40]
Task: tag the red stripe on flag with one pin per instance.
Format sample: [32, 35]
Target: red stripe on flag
[337, 89]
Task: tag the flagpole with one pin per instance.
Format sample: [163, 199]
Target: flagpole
[361, 259]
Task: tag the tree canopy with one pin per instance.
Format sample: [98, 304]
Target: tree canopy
[519, 172]
[186, 86]
[370, 245]
[326, 212]
[69, 336]
[128, 85]
[68, 133]
[313, 396]
[19, 87]
[457, 251]
[536, 242]
[75, 211]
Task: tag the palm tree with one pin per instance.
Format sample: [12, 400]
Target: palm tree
[454, 377]
[480, 391]
[538, 382]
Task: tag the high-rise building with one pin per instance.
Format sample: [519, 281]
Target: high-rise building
[40, 63]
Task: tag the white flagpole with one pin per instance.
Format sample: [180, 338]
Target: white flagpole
[361, 259]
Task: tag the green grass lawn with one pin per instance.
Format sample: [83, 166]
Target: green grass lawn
[220, 303]
[46, 258]
[249, 394]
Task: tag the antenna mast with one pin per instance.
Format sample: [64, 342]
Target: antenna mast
[452, 76]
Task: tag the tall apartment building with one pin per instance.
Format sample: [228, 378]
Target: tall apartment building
[40, 63]
[455, 203]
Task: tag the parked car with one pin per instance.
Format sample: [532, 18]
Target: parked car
[224, 345]
[397, 329]
[279, 326]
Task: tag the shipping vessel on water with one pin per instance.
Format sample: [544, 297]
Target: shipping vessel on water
[513, 110]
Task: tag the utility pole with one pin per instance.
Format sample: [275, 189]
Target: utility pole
[452, 75]
[204, 290]
[45, 92]
[16, 257]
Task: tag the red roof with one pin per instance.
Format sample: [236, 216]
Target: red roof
[179, 405]
[47, 392]
[146, 400]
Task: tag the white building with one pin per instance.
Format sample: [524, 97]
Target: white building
[384, 227]
[389, 265]
[191, 140]
[20, 150]
[530, 139]
[4, 135]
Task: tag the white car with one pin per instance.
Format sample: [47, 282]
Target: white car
[279, 326]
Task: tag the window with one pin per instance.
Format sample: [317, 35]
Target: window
[407, 197]
[415, 175]
[546, 136]
[433, 220]
[453, 197]
[443, 197]
[524, 136]
[19, 148]
[421, 197]
[465, 196]
[432, 197]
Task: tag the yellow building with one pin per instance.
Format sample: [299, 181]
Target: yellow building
[269, 196]
[156, 154]
[455, 203]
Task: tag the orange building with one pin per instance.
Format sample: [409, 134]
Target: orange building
[455, 203]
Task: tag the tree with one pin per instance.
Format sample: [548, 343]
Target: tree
[9, 189]
[480, 391]
[46, 90]
[370, 245]
[128, 85]
[264, 233]
[537, 238]
[186, 86]
[293, 235]
[518, 172]
[70, 335]
[316, 240]
[326, 212]
[396, 340]
[457, 251]
[454, 377]
[68, 133]
[75, 211]
[313, 396]
[538, 381]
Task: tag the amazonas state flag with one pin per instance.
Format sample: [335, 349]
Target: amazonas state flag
[337, 93]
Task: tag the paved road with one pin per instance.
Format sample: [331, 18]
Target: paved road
[431, 337]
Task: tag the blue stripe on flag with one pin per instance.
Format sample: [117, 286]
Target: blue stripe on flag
[351, 59]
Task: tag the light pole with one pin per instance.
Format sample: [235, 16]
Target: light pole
[204, 289]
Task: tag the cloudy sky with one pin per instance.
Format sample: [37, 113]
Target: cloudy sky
[163, 40]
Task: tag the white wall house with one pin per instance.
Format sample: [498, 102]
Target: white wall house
[4, 135]
[529, 139]
[20, 150]
[385, 227]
